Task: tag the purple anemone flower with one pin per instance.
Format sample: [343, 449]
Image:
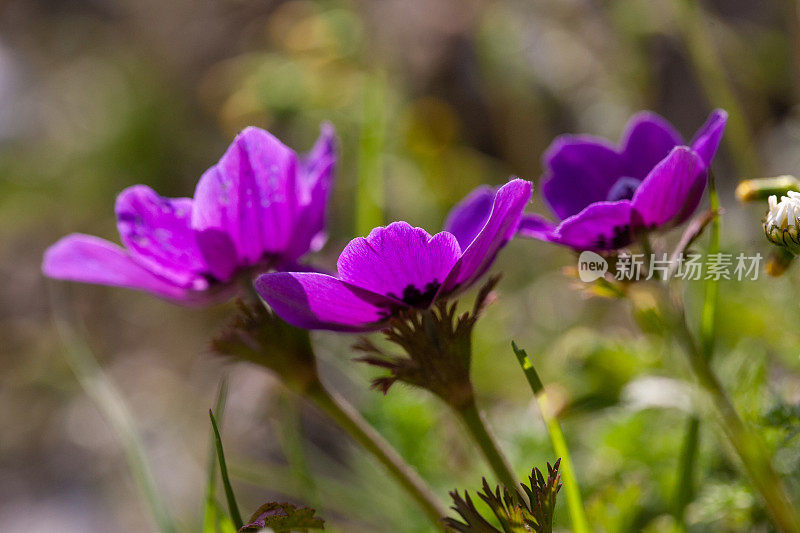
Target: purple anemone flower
[400, 267]
[261, 206]
[605, 195]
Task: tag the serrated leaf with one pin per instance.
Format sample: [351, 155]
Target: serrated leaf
[514, 514]
[223, 470]
[282, 518]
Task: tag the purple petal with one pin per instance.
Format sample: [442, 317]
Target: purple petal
[250, 196]
[580, 170]
[400, 261]
[319, 301]
[90, 259]
[509, 203]
[156, 231]
[648, 140]
[218, 252]
[314, 185]
[469, 216]
[706, 140]
[672, 190]
[321, 153]
[601, 226]
[536, 227]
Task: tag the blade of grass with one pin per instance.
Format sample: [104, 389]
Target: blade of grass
[108, 399]
[369, 187]
[211, 511]
[574, 501]
[223, 470]
[685, 488]
[690, 19]
[293, 446]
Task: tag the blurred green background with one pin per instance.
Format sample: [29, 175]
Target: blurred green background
[430, 98]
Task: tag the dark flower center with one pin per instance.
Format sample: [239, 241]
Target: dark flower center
[415, 297]
[620, 237]
[623, 189]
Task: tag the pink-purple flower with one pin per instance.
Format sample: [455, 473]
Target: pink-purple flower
[400, 267]
[604, 196]
[260, 207]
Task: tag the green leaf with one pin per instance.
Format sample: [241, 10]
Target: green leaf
[211, 512]
[283, 517]
[223, 470]
[513, 514]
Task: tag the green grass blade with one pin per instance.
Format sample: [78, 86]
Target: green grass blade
[708, 323]
[371, 145]
[223, 470]
[577, 513]
[685, 488]
[293, 445]
[211, 511]
[691, 20]
[108, 399]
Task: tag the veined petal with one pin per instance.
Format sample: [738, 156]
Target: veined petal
[672, 190]
[469, 216]
[509, 203]
[314, 185]
[706, 140]
[312, 165]
[580, 170]
[90, 259]
[649, 138]
[400, 261]
[601, 226]
[250, 195]
[156, 231]
[318, 301]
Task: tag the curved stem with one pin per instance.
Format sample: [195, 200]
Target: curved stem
[359, 429]
[684, 490]
[747, 445]
[472, 418]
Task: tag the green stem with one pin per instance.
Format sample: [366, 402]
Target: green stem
[580, 524]
[233, 507]
[713, 79]
[474, 422]
[108, 399]
[747, 445]
[359, 429]
[371, 147]
[210, 512]
[684, 490]
[293, 447]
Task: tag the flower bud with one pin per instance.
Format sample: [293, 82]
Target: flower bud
[762, 188]
[781, 222]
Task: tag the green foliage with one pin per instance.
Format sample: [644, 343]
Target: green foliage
[283, 518]
[514, 514]
[214, 519]
[233, 507]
